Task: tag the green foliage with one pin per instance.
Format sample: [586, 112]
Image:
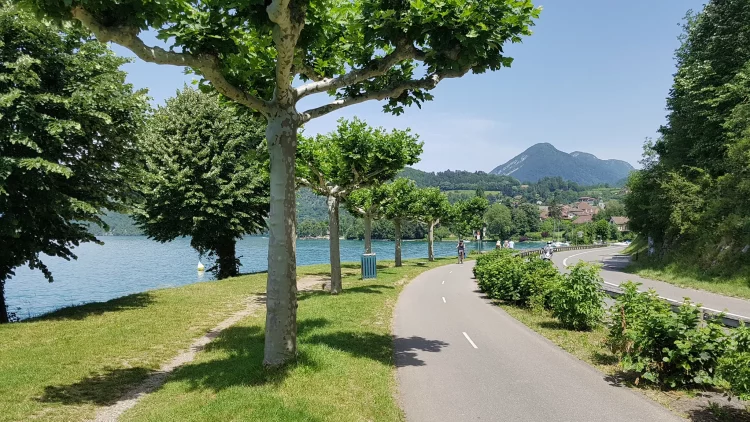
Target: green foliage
[468, 216]
[578, 301]
[402, 195]
[204, 176]
[525, 218]
[664, 347]
[431, 206]
[67, 127]
[734, 366]
[499, 223]
[354, 156]
[692, 195]
[503, 275]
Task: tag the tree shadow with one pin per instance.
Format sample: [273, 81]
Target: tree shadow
[238, 361]
[716, 412]
[101, 389]
[79, 312]
[405, 350]
[553, 325]
[600, 358]
[373, 288]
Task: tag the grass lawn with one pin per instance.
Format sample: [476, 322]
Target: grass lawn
[62, 366]
[684, 273]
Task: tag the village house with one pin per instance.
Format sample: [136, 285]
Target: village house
[621, 223]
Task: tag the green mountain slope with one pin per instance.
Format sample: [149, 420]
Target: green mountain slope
[544, 160]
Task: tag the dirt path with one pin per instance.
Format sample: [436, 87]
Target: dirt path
[154, 381]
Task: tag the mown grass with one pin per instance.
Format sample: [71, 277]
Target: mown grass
[63, 366]
[685, 273]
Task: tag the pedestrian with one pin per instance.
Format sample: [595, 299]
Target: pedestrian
[498, 245]
[511, 244]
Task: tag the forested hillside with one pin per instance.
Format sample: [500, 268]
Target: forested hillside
[693, 195]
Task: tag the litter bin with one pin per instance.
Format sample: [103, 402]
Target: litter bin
[369, 266]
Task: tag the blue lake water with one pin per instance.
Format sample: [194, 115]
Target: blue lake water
[131, 264]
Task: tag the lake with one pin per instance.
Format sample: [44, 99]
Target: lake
[131, 264]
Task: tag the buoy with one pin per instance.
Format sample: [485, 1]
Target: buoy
[200, 266]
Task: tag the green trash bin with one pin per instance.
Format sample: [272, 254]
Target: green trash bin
[369, 266]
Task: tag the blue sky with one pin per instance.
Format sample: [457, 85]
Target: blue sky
[593, 77]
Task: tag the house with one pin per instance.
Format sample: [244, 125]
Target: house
[587, 199]
[621, 223]
[583, 208]
[583, 219]
[543, 212]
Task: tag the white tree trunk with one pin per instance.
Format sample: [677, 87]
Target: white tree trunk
[368, 233]
[430, 242]
[281, 296]
[335, 253]
[397, 227]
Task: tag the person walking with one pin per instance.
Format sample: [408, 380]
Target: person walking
[498, 245]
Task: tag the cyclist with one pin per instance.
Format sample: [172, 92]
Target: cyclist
[461, 251]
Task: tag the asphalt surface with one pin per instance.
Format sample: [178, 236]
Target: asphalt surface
[613, 260]
[459, 358]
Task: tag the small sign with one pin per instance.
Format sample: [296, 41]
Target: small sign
[580, 235]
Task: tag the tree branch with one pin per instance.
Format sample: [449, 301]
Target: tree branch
[285, 35]
[376, 67]
[208, 65]
[306, 71]
[428, 82]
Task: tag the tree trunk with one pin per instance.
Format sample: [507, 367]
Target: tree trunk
[3, 310]
[368, 234]
[397, 227]
[281, 288]
[430, 242]
[227, 258]
[335, 253]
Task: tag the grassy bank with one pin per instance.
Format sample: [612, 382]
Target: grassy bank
[65, 365]
[589, 346]
[683, 272]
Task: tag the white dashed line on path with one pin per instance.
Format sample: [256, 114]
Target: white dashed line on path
[469, 338]
[443, 282]
[444, 300]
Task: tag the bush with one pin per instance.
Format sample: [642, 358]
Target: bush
[505, 276]
[533, 236]
[578, 301]
[734, 366]
[546, 234]
[664, 347]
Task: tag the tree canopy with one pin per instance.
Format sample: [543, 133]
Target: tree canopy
[692, 195]
[204, 176]
[68, 123]
[354, 51]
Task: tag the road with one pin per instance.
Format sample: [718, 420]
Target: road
[613, 260]
[460, 358]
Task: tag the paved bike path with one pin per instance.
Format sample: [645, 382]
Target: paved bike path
[613, 261]
[459, 358]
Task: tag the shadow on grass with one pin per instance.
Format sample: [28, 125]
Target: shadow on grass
[79, 312]
[240, 362]
[101, 389]
[375, 288]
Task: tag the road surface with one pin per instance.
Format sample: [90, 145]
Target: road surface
[460, 358]
[613, 260]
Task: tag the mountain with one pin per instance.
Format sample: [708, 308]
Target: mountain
[544, 160]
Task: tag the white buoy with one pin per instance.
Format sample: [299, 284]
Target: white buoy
[200, 267]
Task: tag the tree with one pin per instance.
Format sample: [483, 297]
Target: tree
[367, 203]
[468, 216]
[555, 210]
[526, 218]
[67, 121]
[430, 207]
[499, 223]
[352, 157]
[399, 208]
[204, 176]
[356, 51]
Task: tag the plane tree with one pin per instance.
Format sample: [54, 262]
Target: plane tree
[399, 208]
[369, 204]
[269, 55]
[353, 156]
[429, 208]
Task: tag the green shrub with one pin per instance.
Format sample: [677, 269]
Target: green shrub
[503, 275]
[577, 301]
[734, 366]
[664, 347]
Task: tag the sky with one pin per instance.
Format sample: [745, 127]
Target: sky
[593, 77]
